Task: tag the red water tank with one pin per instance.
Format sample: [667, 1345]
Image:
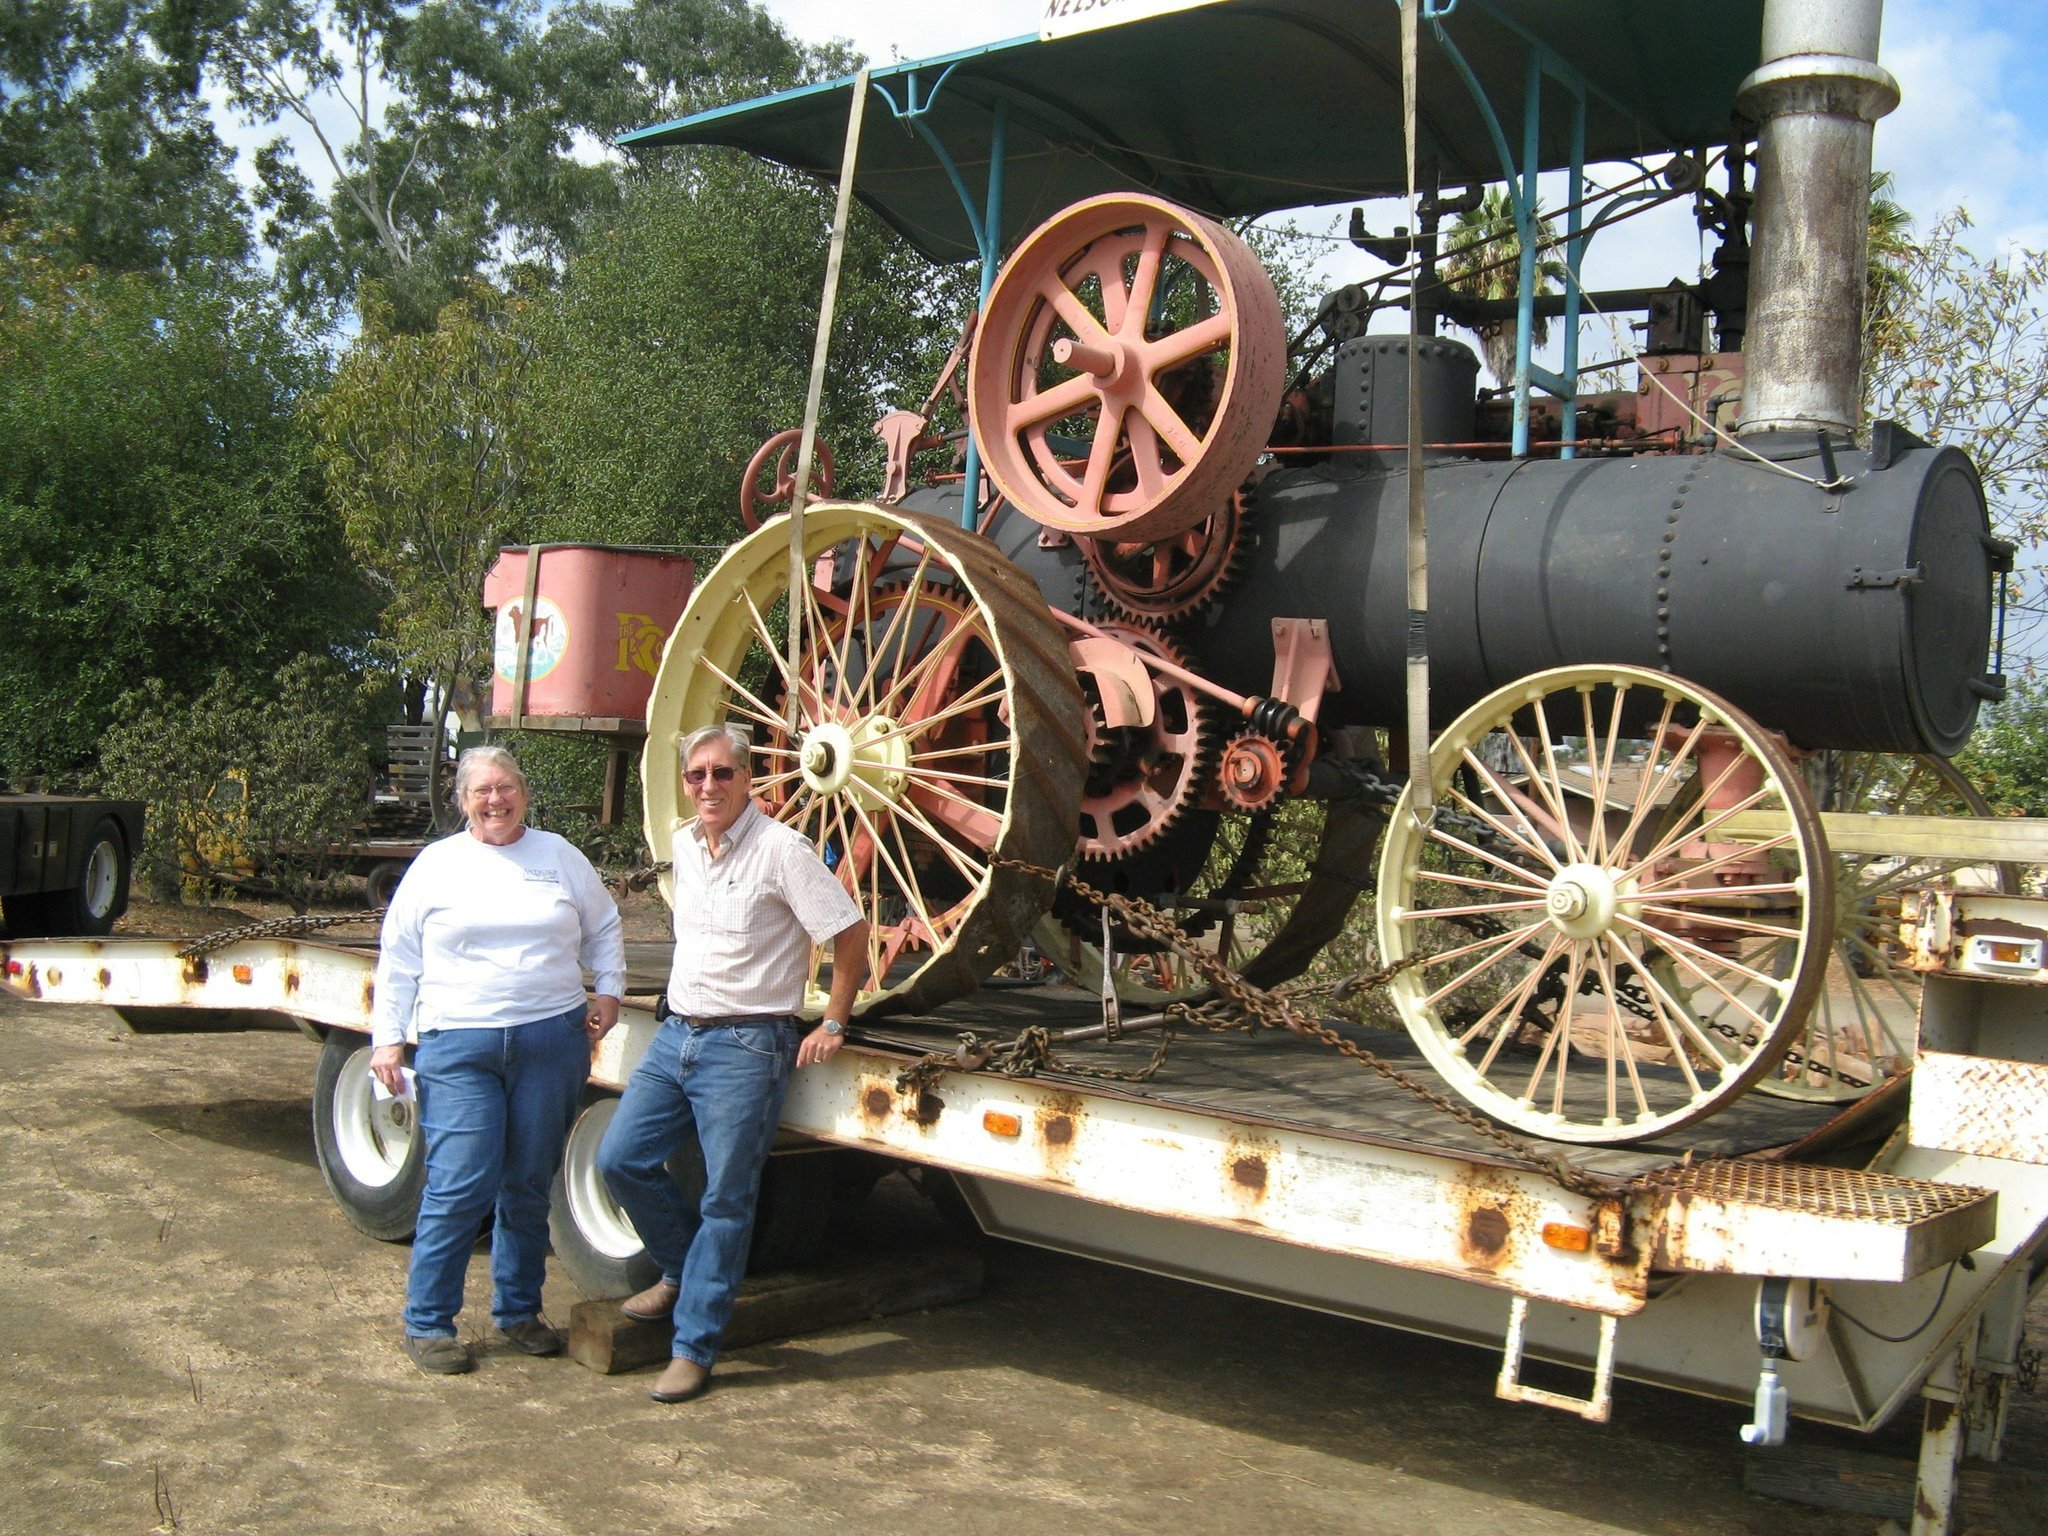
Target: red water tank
[601, 615]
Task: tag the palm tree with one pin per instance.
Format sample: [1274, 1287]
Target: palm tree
[1484, 262]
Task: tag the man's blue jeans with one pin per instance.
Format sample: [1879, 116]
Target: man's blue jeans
[496, 1106]
[726, 1084]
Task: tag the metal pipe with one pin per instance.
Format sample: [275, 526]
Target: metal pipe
[1816, 96]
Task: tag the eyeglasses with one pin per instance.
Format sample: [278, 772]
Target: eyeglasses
[721, 774]
[485, 791]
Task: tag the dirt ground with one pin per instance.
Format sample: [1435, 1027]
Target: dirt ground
[195, 1340]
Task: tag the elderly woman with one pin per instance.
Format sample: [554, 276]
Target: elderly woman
[483, 951]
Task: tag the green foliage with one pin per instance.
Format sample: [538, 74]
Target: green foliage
[107, 145]
[423, 439]
[470, 127]
[565, 774]
[1956, 348]
[682, 340]
[1482, 260]
[2007, 758]
[158, 501]
[244, 784]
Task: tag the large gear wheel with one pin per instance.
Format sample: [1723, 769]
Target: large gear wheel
[1142, 779]
[1174, 577]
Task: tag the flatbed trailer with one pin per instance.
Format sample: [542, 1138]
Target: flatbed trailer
[1832, 1261]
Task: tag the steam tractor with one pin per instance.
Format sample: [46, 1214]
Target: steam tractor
[1172, 626]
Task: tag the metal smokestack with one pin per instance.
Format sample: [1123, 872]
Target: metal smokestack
[1816, 96]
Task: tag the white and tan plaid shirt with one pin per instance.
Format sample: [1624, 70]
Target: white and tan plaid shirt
[746, 921]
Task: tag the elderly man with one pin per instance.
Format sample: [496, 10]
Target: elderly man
[751, 899]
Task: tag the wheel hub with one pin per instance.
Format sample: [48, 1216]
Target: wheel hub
[867, 760]
[1582, 900]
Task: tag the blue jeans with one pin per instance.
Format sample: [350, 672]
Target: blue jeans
[496, 1106]
[726, 1084]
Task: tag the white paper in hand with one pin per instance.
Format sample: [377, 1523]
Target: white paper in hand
[406, 1089]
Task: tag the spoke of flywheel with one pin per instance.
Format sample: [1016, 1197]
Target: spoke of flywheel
[1474, 883]
[1101, 455]
[1673, 1012]
[1618, 951]
[1503, 946]
[1697, 960]
[1483, 909]
[1211, 334]
[1144, 276]
[1067, 304]
[1065, 398]
[1160, 415]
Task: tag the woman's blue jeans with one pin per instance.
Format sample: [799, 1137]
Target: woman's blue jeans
[726, 1084]
[496, 1106]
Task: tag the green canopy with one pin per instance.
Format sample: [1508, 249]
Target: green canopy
[1247, 106]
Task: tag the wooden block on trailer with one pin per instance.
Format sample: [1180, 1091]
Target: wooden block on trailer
[837, 1291]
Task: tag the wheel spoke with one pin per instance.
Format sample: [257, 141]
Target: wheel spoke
[1184, 345]
[1066, 398]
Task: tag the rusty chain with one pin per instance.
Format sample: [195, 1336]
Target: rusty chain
[1241, 1005]
[275, 928]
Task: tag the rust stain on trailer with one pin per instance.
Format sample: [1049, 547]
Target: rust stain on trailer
[29, 984]
[369, 995]
[291, 980]
[1058, 1119]
[1250, 1169]
[194, 971]
[1487, 1213]
[106, 978]
[926, 1110]
[875, 1103]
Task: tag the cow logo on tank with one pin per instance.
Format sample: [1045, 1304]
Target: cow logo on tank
[550, 639]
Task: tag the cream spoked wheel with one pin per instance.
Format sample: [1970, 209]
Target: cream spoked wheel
[1619, 914]
[929, 738]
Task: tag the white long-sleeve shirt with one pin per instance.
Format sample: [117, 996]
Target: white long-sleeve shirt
[482, 937]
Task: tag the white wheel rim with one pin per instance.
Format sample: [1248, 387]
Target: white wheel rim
[600, 1220]
[373, 1136]
[102, 868]
[1676, 951]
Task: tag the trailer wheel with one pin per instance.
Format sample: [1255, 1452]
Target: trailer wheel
[372, 1154]
[382, 881]
[87, 907]
[593, 1236]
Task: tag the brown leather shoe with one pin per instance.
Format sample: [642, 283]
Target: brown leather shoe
[654, 1304]
[683, 1380]
[532, 1337]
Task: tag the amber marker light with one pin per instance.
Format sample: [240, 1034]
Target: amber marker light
[244, 975]
[1563, 1235]
[1000, 1122]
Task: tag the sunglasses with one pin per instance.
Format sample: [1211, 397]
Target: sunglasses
[718, 775]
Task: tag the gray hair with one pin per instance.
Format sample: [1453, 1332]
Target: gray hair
[735, 737]
[475, 759]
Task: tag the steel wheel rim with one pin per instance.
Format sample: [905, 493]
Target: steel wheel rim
[373, 1136]
[102, 869]
[599, 1219]
[939, 733]
[1607, 913]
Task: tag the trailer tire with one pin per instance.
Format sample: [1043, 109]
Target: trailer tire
[381, 883]
[594, 1239]
[87, 907]
[372, 1153]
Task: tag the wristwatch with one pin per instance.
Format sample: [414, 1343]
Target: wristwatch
[833, 1027]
